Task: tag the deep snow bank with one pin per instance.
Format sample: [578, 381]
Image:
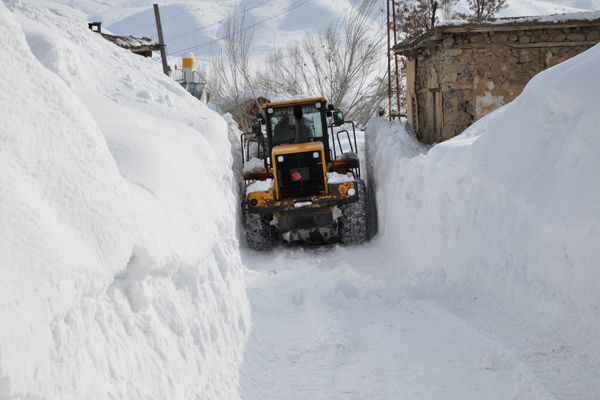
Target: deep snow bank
[510, 206]
[501, 226]
[121, 276]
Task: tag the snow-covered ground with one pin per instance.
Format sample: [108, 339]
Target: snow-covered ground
[507, 213]
[481, 282]
[122, 276]
[327, 324]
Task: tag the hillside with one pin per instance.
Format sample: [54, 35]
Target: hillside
[193, 26]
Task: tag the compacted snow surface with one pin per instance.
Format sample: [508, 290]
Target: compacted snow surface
[123, 277]
[325, 328]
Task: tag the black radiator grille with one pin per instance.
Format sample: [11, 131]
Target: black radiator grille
[300, 174]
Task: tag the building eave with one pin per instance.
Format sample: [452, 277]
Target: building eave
[408, 47]
[132, 43]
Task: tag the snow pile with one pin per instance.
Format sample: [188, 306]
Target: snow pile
[259, 186]
[121, 275]
[511, 205]
[254, 166]
[335, 178]
[501, 226]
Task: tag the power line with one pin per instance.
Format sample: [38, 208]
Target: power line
[187, 33]
[273, 16]
[207, 43]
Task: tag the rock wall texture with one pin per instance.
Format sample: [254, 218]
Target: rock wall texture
[456, 77]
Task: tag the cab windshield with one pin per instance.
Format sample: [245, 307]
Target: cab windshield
[295, 124]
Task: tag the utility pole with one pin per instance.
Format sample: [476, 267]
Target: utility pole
[396, 57]
[389, 60]
[161, 41]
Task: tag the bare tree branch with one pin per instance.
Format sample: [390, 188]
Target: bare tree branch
[416, 17]
[343, 63]
[484, 10]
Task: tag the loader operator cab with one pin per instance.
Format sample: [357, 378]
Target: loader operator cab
[302, 178]
[296, 123]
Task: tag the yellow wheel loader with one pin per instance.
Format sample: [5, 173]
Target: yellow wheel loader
[302, 177]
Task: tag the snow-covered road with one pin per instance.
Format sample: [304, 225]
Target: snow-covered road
[364, 323]
[122, 277]
[322, 328]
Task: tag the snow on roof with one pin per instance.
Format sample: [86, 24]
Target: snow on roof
[131, 42]
[580, 18]
[541, 19]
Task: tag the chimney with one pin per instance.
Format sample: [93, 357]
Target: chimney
[97, 25]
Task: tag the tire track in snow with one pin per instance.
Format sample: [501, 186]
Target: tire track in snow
[323, 330]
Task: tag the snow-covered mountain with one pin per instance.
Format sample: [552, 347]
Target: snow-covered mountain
[195, 25]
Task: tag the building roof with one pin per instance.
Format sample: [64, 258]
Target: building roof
[570, 20]
[132, 43]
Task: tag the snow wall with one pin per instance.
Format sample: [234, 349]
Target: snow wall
[121, 274]
[510, 208]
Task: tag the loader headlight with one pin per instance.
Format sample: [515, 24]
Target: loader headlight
[316, 154]
[253, 202]
[351, 192]
[279, 158]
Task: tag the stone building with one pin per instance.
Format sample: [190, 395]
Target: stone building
[457, 73]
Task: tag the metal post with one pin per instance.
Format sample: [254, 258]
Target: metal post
[161, 41]
[396, 57]
[389, 63]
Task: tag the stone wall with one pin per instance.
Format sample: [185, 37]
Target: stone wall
[462, 76]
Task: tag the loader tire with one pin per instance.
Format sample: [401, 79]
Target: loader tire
[258, 231]
[354, 222]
